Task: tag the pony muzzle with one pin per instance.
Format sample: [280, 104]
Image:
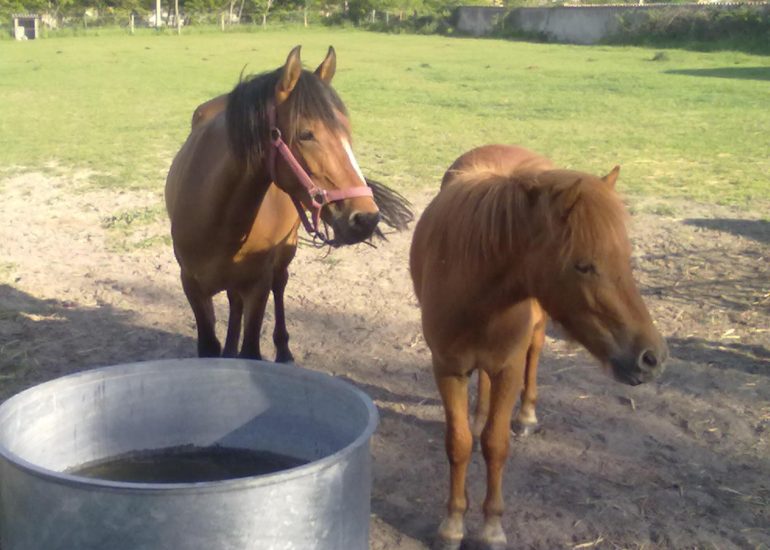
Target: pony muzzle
[645, 367]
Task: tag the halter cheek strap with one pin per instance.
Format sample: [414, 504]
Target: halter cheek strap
[318, 196]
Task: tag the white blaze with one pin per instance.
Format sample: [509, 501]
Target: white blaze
[353, 160]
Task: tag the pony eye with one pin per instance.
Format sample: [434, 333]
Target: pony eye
[306, 135]
[585, 268]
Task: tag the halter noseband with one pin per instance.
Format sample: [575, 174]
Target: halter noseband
[318, 196]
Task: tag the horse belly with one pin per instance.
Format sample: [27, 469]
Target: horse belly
[507, 336]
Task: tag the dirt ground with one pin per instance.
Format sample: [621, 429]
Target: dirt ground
[680, 463]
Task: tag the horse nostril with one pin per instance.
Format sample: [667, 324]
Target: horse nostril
[364, 222]
[648, 359]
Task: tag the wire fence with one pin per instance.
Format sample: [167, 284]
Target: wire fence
[92, 21]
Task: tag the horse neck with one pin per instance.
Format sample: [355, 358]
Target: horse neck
[242, 194]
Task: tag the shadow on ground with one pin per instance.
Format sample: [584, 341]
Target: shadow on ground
[44, 339]
[758, 230]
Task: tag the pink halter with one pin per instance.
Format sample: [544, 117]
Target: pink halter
[318, 196]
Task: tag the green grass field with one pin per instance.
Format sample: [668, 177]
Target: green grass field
[691, 127]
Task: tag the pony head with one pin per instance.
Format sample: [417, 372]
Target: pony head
[593, 294]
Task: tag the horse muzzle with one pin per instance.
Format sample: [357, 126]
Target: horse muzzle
[356, 227]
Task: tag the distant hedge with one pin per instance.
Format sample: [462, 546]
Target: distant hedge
[739, 25]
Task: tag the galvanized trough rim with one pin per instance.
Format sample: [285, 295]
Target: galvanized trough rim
[236, 484]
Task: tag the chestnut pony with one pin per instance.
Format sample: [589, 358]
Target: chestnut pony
[278, 144]
[507, 241]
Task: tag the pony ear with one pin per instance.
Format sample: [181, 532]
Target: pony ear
[328, 66]
[611, 178]
[569, 197]
[290, 73]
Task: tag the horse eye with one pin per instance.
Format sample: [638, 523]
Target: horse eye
[585, 268]
[306, 135]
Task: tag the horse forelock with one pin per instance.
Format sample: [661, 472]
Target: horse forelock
[490, 216]
[248, 126]
[313, 99]
[595, 219]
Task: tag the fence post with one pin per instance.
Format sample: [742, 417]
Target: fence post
[222, 21]
[131, 23]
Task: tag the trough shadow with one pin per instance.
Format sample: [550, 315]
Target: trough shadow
[419, 439]
[378, 393]
[758, 230]
[741, 73]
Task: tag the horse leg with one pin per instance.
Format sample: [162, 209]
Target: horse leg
[526, 421]
[454, 394]
[233, 324]
[495, 440]
[280, 334]
[481, 413]
[203, 308]
[254, 312]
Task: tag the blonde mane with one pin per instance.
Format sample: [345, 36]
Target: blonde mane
[484, 214]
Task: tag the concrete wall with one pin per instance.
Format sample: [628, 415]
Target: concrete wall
[577, 25]
[477, 20]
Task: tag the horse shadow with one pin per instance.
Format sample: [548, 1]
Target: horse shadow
[725, 287]
[751, 359]
[41, 339]
[758, 230]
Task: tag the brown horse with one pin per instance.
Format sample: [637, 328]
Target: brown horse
[507, 239]
[278, 144]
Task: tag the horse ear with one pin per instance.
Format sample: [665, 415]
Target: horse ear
[611, 178]
[328, 66]
[290, 73]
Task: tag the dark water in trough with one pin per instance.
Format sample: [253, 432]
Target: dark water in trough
[186, 464]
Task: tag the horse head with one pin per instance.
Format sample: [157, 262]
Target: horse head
[593, 294]
[313, 121]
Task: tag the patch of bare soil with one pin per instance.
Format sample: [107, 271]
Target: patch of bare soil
[680, 463]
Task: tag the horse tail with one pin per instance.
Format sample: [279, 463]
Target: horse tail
[395, 209]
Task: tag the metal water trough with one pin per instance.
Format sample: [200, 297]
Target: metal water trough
[77, 419]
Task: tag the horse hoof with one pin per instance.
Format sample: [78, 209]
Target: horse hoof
[284, 357]
[492, 535]
[520, 429]
[450, 533]
[446, 544]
